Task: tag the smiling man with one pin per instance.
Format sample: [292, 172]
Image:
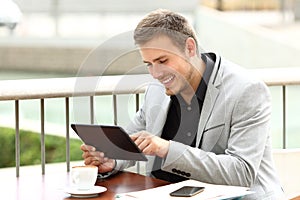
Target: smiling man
[207, 119]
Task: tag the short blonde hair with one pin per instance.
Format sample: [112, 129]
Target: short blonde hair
[164, 22]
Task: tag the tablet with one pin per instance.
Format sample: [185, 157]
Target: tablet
[112, 140]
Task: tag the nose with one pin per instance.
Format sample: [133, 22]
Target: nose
[156, 71]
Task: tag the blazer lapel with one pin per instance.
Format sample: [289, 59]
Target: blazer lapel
[208, 105]
[210, 98]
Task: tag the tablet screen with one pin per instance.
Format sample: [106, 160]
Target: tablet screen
[112, 140]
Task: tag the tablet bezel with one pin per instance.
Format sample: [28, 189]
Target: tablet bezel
[112, 140]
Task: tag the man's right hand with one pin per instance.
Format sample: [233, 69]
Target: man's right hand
[93, 157]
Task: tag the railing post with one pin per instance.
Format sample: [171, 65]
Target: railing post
[67, 133]
[92, 110]
[17, 138]
[43, 149]
[137, 106]
[115, 109]
[284, 117]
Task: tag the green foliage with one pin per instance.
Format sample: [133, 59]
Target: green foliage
[30, 148]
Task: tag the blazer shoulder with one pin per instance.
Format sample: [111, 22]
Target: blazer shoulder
[155, 95]
[155, 88]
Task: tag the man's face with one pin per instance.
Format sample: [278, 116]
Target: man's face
[168, 64]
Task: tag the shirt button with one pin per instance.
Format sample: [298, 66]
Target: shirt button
[189, 108]
[189, 134]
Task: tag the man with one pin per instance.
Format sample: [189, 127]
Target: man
[206, 120]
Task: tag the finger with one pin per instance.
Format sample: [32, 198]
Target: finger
[143, 140]
[95, 163]
[86, 154]
[85, 147]
[89, 161]
[138, 141]
[135, 136]
[143, 144]
[95, 160]
[148, 150]
[94, 154]
[105, 159]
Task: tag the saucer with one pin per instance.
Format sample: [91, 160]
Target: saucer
[93, 192]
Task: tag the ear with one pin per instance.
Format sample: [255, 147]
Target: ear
[191, 47]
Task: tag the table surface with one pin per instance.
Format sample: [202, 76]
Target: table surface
[296, 198]
[127, 182]
[53, 185]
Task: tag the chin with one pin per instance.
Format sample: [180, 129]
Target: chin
[169, 92]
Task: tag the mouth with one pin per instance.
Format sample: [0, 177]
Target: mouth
[168, 79]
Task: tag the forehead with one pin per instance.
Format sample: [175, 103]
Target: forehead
[161, 44]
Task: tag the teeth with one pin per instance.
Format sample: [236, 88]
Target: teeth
[168, 80]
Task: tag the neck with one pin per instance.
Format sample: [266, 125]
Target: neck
[193, 85]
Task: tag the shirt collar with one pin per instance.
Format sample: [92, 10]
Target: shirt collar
[201, 90]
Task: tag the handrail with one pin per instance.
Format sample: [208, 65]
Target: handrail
[72, 86]
[118, 84]
[278, 76]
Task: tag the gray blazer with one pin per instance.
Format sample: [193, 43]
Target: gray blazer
[234, 126]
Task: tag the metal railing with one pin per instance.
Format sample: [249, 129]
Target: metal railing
[41, 89]
[282, 77]
[18, 90]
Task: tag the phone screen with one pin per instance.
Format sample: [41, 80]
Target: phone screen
[187, 191]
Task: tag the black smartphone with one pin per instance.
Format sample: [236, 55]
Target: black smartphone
[187, 191]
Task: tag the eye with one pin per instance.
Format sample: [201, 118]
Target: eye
[163, 61]
[148, 65]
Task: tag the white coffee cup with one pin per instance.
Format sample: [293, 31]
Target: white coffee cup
[84, 177]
